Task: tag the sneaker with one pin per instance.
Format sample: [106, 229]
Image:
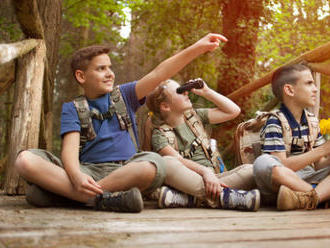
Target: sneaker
[288, 199]
[154, 195]
[171, 198]
[122, 201]
[39, 197]
[240, 199]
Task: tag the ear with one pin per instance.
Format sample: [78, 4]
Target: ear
[80, 76]
[164, 107]
[288, 90]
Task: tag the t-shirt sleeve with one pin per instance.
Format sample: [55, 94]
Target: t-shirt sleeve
[203, 114]
[129, 94]
[69, 119]
[158, 140]
[272, 136]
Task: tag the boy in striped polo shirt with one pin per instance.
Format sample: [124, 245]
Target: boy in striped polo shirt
[294, 175]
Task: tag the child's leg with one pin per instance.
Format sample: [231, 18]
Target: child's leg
[145, 170]
[46, 174]
[323, 189]
[269, 174]
[183, 179]
[239, 178]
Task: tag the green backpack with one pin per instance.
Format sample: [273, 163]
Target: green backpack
[117, 107]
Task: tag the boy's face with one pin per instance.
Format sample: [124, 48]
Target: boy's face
[98, 78]
[305, 90]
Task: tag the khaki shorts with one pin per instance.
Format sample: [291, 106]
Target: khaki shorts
[262, 171]
[101, 170]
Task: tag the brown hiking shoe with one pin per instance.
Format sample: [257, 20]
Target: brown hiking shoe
[121, 201]
[288, 199]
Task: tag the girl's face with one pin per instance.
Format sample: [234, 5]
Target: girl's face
[177, 102]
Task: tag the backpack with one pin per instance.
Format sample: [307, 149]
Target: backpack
[248, 141]
[202, 139]
[117, 107]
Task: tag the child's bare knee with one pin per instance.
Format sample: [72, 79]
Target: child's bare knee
[22, 164]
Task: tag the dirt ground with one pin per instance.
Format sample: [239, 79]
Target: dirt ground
[23, 226]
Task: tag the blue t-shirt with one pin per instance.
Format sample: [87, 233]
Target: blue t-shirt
[111, 143]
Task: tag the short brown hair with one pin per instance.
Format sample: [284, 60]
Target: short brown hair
[82, 57]
[286, 75]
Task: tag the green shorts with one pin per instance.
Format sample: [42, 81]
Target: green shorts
[101, 170]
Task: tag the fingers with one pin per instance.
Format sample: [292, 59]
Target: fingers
[224, 185]
[213, 190]
[93, 186]
[217, 38]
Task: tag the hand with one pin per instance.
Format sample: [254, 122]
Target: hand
[210, 42]
[326, 148]
[85, 184]
[202, 91]
[213, 187]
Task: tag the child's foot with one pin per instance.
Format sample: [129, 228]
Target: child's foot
[171, 198]
[122, 201]
[288, 199]
[240, 199]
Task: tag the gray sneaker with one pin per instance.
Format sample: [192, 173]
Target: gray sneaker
[240, 199]
[122, 201]
[39, 197]
[171, 198]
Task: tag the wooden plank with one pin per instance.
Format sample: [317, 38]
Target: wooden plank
[24, 226]
[26, 112]
[11, 51]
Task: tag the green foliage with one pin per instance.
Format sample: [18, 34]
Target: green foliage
[9, 31]
[296, 26]
[173, 25]
[101, 19]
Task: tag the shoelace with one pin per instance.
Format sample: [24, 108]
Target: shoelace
[240, 200]
[178, 199]
[114, 200]
[307, 203]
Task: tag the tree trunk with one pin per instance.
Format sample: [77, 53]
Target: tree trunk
[50, 12]
[240, 25]
[26, 113]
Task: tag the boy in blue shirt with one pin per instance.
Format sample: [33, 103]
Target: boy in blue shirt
[292, 167]
[109, 162]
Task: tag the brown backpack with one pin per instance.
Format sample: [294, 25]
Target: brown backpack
[248, 141]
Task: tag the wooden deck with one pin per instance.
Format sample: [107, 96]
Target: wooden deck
[23, 226]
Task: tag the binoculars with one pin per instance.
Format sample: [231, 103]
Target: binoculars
[197, 83]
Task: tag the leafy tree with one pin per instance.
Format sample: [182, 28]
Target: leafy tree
[295, 27]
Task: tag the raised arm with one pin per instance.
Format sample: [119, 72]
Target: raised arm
[174, 64]
[225, 109]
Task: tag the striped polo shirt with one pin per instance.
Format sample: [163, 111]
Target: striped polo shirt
[272, 136]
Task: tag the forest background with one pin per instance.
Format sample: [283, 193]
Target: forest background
[263, 34]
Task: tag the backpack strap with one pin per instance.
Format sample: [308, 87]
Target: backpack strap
[286, 129]
[87, 131]
[313, 127]
[116, 106]
[120, 109]
[202, 138]
[168, 132]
